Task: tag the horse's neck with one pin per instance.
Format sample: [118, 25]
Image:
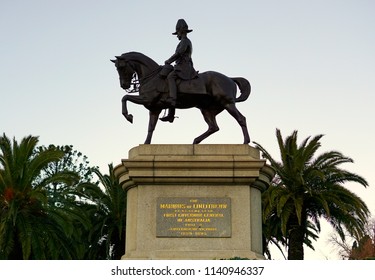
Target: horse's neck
[146, 67]
[143, 71]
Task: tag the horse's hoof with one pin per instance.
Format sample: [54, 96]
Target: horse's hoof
[129, 118]
[196, 141]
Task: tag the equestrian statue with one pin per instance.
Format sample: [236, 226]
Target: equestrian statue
[179, 86]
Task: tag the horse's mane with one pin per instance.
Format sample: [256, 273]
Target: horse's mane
[139, 57]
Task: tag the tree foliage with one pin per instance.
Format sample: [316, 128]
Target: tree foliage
[30, 227]
[51, 209]
[107, 204]
[362, 248]
[308, 187]
[72, 162]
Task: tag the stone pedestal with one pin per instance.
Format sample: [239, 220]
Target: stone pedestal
[193, 201]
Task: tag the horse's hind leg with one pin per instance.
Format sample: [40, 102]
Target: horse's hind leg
[210, 118]
[232, 109]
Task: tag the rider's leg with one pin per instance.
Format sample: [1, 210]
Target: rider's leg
[172, 97]
[172, 87]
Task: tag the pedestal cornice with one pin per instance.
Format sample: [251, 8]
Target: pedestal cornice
[194, 164]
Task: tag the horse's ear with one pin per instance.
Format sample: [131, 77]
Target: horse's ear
[114, 61]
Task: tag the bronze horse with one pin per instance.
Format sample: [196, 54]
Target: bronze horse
[220, 94]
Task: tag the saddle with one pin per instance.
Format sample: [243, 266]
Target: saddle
[193, 86]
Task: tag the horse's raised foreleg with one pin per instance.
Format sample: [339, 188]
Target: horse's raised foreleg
[132, 98]
[232, 109]
[154, 116]
[210, 118]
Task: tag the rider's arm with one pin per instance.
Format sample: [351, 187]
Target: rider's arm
[181, 49]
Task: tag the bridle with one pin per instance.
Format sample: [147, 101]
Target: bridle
[135, 82]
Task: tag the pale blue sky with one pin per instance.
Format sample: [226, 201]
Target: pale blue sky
[311, 65]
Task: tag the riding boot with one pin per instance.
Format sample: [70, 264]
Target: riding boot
[172, 90]
[170, 116]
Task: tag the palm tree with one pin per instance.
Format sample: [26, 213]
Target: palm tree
[30, 227]
[308, 187]
[106, 204]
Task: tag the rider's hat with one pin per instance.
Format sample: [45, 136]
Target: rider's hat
[182, 26]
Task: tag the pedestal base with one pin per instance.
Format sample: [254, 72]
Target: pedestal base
[193, 201]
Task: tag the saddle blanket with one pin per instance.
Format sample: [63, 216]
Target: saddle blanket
[193, 86]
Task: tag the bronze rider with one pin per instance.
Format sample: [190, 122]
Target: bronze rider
[183, 68]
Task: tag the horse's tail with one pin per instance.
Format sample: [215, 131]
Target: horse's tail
[245, 88]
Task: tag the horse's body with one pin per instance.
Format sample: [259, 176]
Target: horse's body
[221, 94]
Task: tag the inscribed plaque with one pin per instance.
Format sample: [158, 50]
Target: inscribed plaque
[193, 217]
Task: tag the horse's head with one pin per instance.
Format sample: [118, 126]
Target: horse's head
[132, 65]
[125, 71]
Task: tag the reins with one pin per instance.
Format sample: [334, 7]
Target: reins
[135, 82]
[150, 75]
